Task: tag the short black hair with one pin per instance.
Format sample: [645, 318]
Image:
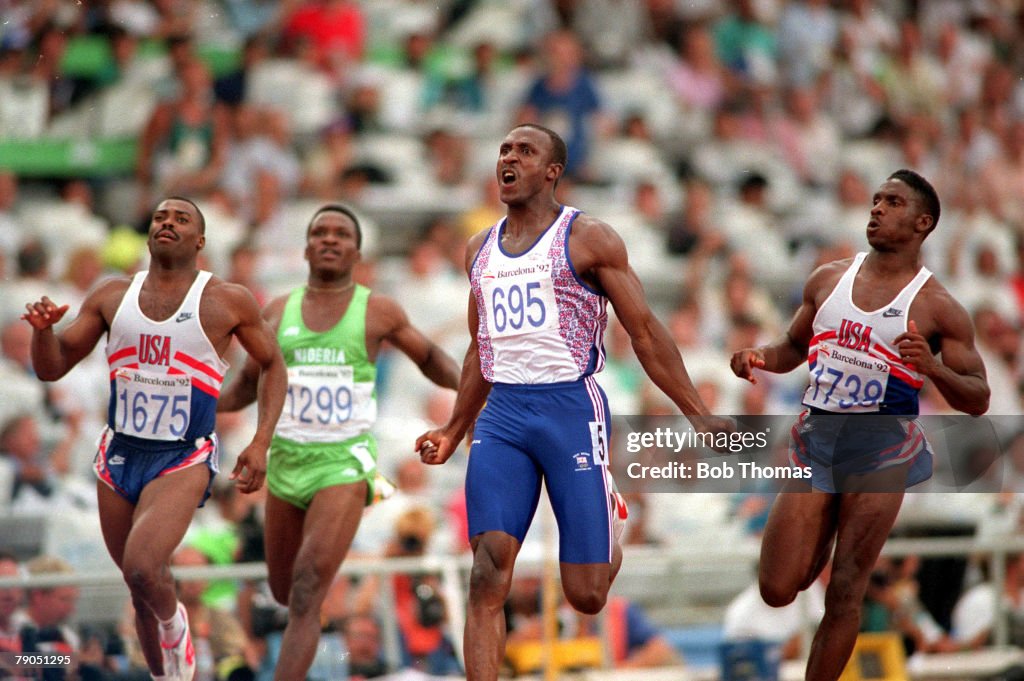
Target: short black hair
[202, 218]
[559, 152]
[344, 210]
[925, 191]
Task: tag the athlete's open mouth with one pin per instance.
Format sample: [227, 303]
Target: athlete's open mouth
[508, 177]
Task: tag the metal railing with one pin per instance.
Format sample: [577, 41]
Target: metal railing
[637, 562]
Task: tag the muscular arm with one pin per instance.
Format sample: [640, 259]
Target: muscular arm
[257, 337]
[602, 253]
[960, 375]
[434, 362]
[789, 351]
[53, 354]
[473, 391]
[243, 388]
[436, 446]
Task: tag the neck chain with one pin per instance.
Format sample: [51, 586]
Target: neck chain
[330, 289]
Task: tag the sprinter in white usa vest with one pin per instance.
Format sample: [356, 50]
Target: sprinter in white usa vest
[167, 331]
[871, 330]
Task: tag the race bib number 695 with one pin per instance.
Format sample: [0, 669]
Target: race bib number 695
[519, 305]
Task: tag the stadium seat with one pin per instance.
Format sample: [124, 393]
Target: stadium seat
[24, 108]
[24, 535]
[288, 85]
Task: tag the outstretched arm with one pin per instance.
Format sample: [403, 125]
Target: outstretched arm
[790, 351]
[53, 354]
[257, 337]
[436, 446]
[434, 362]
[600, 253]
[960, 374]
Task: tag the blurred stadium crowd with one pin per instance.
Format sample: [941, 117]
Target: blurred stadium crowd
[733, 144]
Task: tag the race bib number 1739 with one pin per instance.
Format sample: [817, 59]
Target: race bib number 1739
[847, 381]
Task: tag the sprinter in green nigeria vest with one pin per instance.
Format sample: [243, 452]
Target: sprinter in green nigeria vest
[320, 473]
[323, 436]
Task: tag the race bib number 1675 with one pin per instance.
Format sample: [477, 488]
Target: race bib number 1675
[151, 405]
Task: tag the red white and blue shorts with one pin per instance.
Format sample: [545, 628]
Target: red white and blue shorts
[127, 464]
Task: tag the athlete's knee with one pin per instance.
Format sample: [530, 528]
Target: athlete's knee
[143, 575]
[845, 591]
[308, 588]
[589, 602]
[490, 579]
[776, 594]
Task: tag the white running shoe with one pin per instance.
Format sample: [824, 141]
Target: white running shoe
[619, 510]
[383, 488]
[180, 658]
[619, 514]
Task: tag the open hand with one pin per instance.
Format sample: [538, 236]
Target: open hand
[44, 313]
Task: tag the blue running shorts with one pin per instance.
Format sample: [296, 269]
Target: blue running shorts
[838, 447]
[557, 433]
[127, 464]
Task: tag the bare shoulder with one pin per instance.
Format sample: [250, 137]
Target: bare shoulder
[107, 295]
[111, 287]
[941, 311]
[825, 277]
[595, 243]
[831, 270]
[587, 226]
[385, 317]
[274, 310]
[230, 300]
[384, 307]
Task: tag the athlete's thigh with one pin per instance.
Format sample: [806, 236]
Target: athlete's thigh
[798, 534]
[864, 524]
[573, 455]
[580, 498]
[116, 514]
[502, 486]
[331, 522]
[282, 537]
[164, 512]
